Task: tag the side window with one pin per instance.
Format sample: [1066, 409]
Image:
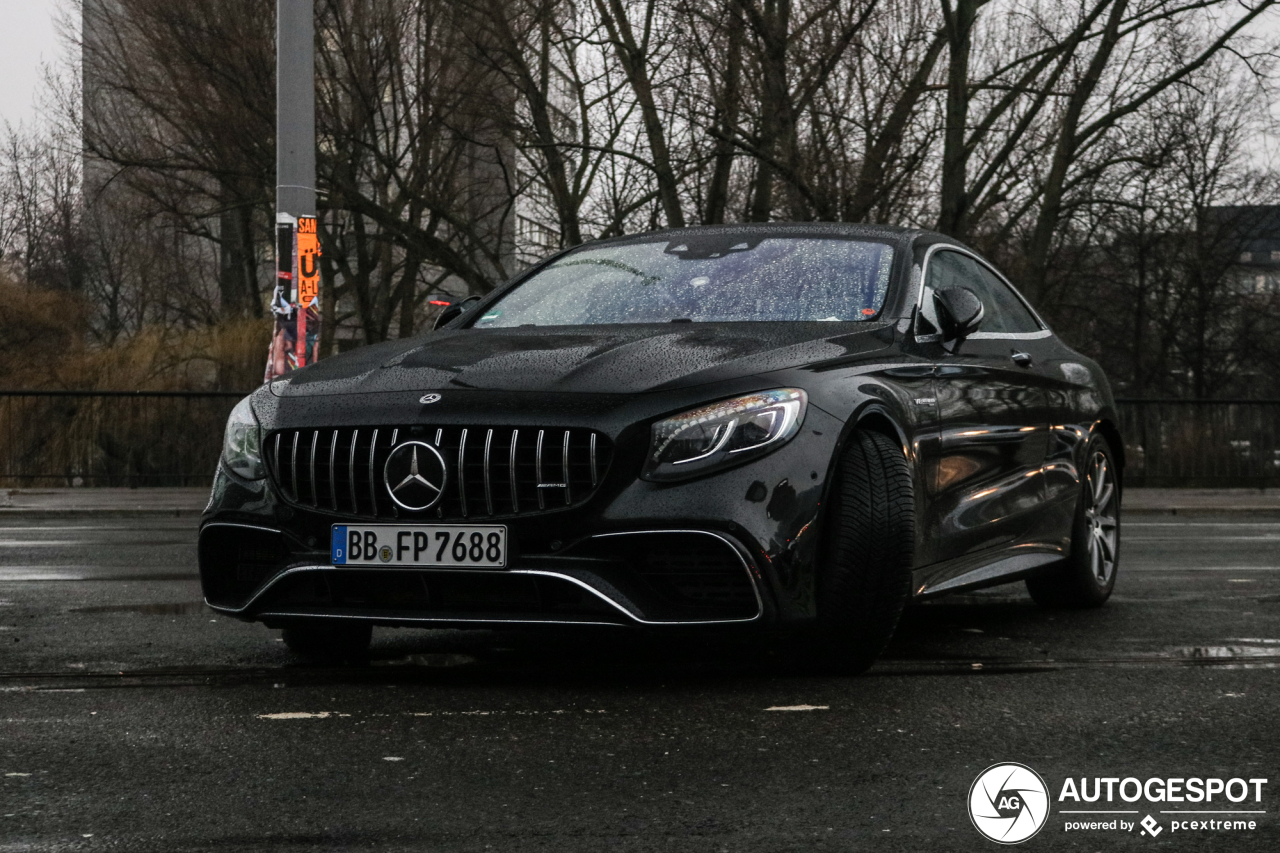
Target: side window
[1017, 318]
[1003, 311]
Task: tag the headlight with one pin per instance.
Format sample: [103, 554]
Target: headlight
[241, 446]
[723, 434]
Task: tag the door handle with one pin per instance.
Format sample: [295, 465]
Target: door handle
[1022, 359]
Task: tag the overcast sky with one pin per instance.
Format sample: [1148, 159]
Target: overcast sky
[27, 39]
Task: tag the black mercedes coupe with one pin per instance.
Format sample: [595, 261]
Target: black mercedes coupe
[799, 427]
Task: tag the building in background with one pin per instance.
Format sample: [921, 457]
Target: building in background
[1253, 237]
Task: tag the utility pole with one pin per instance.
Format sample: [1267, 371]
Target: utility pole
[297, 243]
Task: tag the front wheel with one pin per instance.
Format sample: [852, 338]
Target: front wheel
[865, 574]
[1087, 577]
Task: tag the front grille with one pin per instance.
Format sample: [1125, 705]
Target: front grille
[492, 471]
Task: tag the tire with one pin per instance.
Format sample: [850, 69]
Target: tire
[1087, 577]
[864, 578]
[329, 642]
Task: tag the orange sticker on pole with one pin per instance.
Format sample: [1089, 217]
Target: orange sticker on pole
[308, 261]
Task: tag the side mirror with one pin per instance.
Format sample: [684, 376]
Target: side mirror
[959, 312]
[454, 310]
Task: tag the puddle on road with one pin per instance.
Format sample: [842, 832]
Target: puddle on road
[25, 574]
[1216, 653]
[180, 609]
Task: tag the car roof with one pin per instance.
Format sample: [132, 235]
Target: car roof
[888, 233]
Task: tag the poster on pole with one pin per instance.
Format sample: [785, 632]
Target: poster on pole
[295, 338]
[308, 261]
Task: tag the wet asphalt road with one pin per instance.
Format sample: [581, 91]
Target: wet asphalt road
[133, 719]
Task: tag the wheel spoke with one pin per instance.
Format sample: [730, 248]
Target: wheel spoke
[1099, 479]
[1108, 543]
[1107, 494]
[1108, 522]
[1095, 556]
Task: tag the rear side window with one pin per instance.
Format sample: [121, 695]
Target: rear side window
[1003, 311]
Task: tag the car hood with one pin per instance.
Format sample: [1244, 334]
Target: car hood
[588, 359]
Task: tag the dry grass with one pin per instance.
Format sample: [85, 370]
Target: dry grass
[45, 345]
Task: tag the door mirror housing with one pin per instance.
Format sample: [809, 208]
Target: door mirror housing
[454, 310]
[959, 312]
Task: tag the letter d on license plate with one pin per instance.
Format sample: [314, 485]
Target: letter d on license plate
[470, 546]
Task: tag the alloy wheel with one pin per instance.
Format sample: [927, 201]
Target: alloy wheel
[1101, 517]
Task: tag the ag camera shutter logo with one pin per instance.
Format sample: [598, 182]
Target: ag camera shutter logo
[1008, 803]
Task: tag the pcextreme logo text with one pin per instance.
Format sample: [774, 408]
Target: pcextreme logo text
[1010, 803]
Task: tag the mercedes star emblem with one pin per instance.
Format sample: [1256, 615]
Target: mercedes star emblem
[415, 475]
[429, 398]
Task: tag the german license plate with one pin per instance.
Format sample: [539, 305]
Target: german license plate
[471, 546]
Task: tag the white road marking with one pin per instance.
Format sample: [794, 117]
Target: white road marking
[80, 573]
[66, 543]
[1202, 523]
[36, 543]
[1270, 537]
[799, 708]
[1208, 569]
[296, 715]
[4, 529]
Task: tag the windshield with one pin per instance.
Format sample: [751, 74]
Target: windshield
[703, 279]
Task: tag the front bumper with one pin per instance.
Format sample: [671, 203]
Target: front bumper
[736, 547]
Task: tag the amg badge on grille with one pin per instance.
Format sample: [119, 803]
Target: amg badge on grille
[415, 475]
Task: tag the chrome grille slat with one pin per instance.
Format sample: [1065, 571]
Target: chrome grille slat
[373, 488]
[537, 469]
[315, 489]
[511, 471]
[293, 468]
[333, 471]
[440, 508]
[564, 469]
[488, 490]
[523, 455]
[351, 471]
[462, 472]
[395, 437]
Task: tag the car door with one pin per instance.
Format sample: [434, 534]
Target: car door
[985, 476]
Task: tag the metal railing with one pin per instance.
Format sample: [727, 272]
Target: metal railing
[1173, 442]
[172, 438]
[112, 438]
